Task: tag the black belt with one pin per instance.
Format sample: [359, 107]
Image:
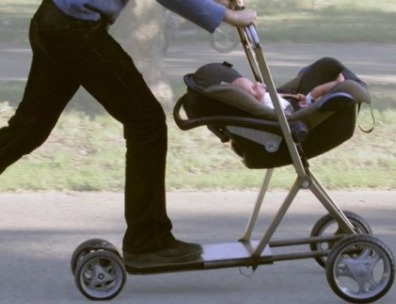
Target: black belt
[49, 15]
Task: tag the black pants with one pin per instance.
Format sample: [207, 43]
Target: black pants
[69, 53]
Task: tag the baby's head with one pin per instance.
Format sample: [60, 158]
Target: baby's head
[223, 73]
[213, 74]
[257, 89]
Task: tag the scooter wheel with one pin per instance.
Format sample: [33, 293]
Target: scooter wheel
[90, 246]
[328, 225]
[100, 275]
[360, 268]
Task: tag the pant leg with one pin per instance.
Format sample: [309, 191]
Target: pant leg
[46, 94]
[121, 89]
[106, 71]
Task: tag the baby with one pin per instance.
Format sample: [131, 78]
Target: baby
[259, 92]
[312, 82]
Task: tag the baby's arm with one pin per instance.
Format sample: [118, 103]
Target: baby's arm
[322, 89]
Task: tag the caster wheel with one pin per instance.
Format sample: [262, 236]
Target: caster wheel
[89, 246]
[360, 268]
[100, 275]
[327, 226]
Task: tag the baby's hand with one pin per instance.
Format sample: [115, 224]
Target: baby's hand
[340, 78]
[302, 100]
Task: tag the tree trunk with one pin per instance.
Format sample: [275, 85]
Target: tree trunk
[140, 29]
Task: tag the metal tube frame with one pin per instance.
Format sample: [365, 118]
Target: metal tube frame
[305, 178]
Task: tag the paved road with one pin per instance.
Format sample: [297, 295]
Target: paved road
[376, 64]
[39, 231]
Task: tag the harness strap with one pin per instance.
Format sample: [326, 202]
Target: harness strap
[370, 129]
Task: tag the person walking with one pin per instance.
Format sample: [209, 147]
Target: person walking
[72, 48]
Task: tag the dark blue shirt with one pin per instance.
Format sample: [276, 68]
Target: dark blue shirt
[205, 13]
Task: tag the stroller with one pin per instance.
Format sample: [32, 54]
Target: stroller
[359, 267]
[267, 139]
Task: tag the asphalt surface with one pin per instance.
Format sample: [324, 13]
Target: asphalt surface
[374, 63]
[39, 231]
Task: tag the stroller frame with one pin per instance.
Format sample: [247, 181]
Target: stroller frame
[305, 177]
[260, 251]
[351, 246]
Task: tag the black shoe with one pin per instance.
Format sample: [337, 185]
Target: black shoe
[175, 252]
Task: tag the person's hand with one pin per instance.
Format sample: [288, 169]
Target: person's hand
[227, 3]
[240, 18]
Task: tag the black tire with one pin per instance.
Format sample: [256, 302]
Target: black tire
[360, 268]
[328, 222]
[100, 275]
[89, 246]
[224, 39]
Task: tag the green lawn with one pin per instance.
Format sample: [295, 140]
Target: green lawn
[85, 153]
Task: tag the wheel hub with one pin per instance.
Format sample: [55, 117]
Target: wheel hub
[362, 270]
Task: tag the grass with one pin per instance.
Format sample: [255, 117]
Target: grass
[87, 154]
[374, 27]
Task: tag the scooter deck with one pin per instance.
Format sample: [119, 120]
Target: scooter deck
[214, 256]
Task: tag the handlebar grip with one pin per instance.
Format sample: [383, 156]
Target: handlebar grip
[252, 34]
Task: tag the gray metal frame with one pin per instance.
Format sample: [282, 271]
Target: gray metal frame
[305, 178]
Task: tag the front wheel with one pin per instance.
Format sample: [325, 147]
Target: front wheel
[328, 225]
[100, 275]
[90, 246]
[360, 269]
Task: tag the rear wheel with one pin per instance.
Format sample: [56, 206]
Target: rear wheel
[328, 226]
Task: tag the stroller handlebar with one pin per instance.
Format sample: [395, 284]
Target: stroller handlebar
[252, 35]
